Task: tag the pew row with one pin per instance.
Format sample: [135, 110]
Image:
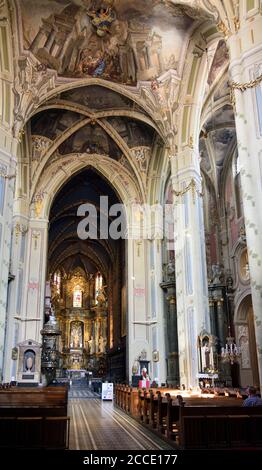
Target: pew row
[208, 421]
[34, 418]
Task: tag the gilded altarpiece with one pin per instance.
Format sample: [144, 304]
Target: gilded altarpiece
[84, 328]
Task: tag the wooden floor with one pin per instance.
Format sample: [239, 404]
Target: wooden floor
[98, 425]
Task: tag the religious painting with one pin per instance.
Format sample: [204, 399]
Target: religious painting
[114, 40]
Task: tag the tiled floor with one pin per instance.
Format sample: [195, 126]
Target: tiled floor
[96, 424]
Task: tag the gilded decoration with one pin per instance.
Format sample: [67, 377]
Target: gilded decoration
[81, 309]
[242, 87]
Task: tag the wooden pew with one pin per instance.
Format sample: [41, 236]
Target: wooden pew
[219, 427]
[161, 413]
[134, 402]
[34, 418]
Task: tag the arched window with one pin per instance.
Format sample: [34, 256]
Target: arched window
[98, 284]
[77, 297]
[57, 282]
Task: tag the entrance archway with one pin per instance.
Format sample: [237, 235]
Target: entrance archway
[88, 279]
[245, 334]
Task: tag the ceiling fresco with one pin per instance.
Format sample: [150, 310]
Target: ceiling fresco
[95, 98]
[106, 132]
[118, 40]
[91, 139]
[219, 62]
[53, 122]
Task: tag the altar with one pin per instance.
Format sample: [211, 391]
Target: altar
[76, 374]
[81, 311]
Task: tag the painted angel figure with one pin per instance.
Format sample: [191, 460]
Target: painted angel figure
[102, 20]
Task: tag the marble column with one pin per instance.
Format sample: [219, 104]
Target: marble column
[171, 333]
[191, 273]
[7, 183]
[212, 317]
[221, 323]
[244, 67]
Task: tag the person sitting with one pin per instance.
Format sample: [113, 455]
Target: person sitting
[253, 399]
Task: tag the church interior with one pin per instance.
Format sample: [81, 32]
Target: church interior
[130, 223]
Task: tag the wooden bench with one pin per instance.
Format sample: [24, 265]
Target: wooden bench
[219, 427]
[34, 418]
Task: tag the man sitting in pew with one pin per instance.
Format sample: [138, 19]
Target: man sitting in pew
[253, 399]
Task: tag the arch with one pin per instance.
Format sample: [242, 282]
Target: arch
[55, 176]
[80, 83]
[245, 337]
[77, 108]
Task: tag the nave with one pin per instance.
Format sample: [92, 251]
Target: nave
[98, 425]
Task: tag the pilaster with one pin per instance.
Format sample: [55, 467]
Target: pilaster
[191, 274]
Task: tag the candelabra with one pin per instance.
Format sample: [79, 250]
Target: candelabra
[231, 352]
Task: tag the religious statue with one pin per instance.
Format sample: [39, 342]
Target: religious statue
[102, 344]
[76, 335]
[171, 270]
[217, 274]
[102, 20]
[207, 358]
[91, 344]
[101, 297]
[52, 318]
[135, 367]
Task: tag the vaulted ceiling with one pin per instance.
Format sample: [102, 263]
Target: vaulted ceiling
[66, 249]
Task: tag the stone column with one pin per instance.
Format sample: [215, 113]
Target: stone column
[191, 273]
[246, 55]
[50, 40]
[64, 47]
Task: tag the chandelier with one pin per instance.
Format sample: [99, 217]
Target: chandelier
[231, 352]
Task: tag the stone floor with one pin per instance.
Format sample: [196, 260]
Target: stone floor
[99, 425]
[78, 393]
